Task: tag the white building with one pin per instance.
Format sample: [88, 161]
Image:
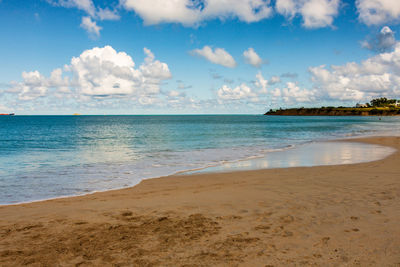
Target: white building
[361, 105]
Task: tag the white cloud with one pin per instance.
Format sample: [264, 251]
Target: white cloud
[375, 77]
[93, 13]
[274, 80]
[319, 13]
[2, 107]
[174, 93]
[217, 56]
[191, 13]
[98, 72]
[245, 10]
[34, 86]
[294, 94]
[154, 69]
[291, 94]
[384, 41]
[85, 5]
[241, 92]
[88, 7]
[177, 99]
[90, 26]
[252, 58]
[262, 83]
[103, 72]
[158, 11]
[147, 100]
[376, 12]
[288, 8]
[107, 14]
[315, 13]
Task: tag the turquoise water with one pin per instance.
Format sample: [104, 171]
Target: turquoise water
[51, 156]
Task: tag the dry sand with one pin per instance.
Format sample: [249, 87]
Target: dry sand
[344, 215]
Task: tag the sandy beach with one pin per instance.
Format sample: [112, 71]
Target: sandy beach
[345, 215]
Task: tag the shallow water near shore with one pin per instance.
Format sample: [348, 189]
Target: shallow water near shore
[312, 154]
[46, 157]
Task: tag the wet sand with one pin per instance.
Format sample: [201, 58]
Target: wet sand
[344, 215]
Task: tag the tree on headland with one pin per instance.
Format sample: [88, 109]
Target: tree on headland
[382, 102]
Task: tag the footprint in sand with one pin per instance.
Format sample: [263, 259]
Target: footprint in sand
[126, 213]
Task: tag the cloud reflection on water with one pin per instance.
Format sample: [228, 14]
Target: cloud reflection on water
[312, 154]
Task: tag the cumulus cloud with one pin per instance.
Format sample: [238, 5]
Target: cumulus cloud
[35, 85]
[292, 93]
[90, 26]
[384, 41]
[315, 13]
[217, 56]
[252, 58]
[241, 92]
[190, 13]
[263, 84]
[375, 77]
[98, 72]
[174, 93]
[376, 12]
[104, 72]
[152, 69]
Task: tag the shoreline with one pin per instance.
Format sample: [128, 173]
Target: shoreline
[322, 215]
[58, 172]
[196, 171]
[178, 173]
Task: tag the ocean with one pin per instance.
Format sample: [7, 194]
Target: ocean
[44, 157]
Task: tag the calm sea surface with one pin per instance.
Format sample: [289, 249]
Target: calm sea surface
[44, 157]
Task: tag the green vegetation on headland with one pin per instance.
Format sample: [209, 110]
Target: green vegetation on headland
[377, 107]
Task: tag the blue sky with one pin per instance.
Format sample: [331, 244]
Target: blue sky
[87, 56]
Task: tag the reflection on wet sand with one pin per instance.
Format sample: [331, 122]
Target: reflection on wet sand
[313, 154]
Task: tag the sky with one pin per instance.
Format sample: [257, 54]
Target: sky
[195, 56]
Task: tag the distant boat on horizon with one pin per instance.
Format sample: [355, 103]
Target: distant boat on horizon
[7, 114]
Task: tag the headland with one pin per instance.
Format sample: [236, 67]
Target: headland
[377, 107]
